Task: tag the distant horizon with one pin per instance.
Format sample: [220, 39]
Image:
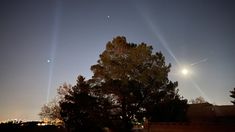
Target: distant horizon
[28, 120]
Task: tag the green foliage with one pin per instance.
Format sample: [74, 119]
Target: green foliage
[233, 95]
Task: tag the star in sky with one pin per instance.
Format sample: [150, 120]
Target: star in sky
[48, 61]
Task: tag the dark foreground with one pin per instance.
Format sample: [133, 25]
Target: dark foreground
[29, 127]
[153, 127]
[191, 127]
[33, 129]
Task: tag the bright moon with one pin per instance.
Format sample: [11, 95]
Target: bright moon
[184, 71]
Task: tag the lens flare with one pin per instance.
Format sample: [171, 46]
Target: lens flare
[185, 71]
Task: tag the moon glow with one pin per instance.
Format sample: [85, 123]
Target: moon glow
[185, 71]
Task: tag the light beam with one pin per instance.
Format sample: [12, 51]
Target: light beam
[54, 42]
[163, 42]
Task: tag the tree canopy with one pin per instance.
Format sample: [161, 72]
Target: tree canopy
[139, 80]
[130, 82]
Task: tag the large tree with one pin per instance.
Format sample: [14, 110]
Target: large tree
[130, 82]
[233, 95]
[138, 80]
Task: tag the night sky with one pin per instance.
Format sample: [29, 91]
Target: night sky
[44, 43]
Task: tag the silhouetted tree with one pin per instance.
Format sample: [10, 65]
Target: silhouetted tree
[83, 111]
[10, 125]
[172, 110]
[130, 82]
[50, 112]
[233, 95]
[198, 100]
[137, 79]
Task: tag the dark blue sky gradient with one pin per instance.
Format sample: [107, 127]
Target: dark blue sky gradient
[72, 34]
